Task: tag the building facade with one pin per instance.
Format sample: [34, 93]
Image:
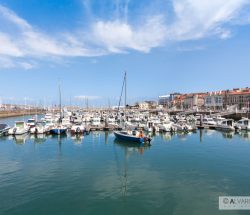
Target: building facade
[214, 101]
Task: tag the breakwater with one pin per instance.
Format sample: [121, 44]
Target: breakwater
[13, 113]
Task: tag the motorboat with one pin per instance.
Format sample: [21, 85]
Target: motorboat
[111, 120]
[4, 128]
[226, 125]
[168, 127]
[40, 128]
[181, 126]
[209, 122]
[19, 128]
[219, 119]
[66, 122]
[77, 129]
[243, 124]
[96, 121]
[31, 122]
[149, 127]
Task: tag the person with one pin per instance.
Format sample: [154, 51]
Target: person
[141, 135]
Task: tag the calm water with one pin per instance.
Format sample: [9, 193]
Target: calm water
[95, 174]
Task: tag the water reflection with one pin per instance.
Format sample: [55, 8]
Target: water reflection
[131, 178]
[201, 135]
[131, 147]
[228, 135]
[20, 139]
[167, 136]
[39, 138]
[245, 134]
[98, 137]
[77, 139]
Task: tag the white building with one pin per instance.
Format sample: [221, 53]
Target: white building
[214, 101]
[144, 105]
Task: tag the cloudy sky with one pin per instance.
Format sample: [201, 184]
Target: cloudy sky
[86, 45]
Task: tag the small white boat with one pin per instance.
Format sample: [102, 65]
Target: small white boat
[40, 128]
[66, 122]
[111, 120]
[96, 121]
[151, 126]
[20, 128]
[183, 126]
[243, 124]
[168, 127]
[209, 121]
[31, 122]
[226, 125]
[77, 129]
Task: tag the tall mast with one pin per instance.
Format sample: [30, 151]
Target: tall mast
[125, 102]
[60, 101]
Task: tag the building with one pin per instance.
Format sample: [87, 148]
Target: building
[214, 101]
[237, 97]
[194, 101]
[221, 100]
[166, 100]
[146, 105]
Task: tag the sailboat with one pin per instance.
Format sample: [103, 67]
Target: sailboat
[128, 135]
[59, 129]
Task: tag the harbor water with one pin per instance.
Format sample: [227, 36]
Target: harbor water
[97, 174]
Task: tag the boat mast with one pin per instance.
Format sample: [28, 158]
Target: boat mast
[125, 99]
[60, 103]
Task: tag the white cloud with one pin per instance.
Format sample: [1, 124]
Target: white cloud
[197, 19]
[12, 17]
[117, 36]
[191, 20]
[35, 43]
[8, 47]
[26, 65]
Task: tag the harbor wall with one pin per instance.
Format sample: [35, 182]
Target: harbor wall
[13, 113]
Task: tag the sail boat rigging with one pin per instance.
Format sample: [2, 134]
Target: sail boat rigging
[59, 128]
[128, 135]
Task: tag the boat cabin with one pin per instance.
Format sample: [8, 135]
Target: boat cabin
[19, 124]
[244, 122]
[228, 122]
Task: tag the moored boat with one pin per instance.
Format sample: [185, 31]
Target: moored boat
[243, 124]
[40, 128]
[58, 130]
[226, 125]
[20, 128]
[132, 136]
[31, 122]
[4, 128]
[77, 129]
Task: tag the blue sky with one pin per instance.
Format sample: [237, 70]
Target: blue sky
[86, 45]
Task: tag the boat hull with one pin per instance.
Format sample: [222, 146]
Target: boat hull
[121, 136]
[58, 131]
